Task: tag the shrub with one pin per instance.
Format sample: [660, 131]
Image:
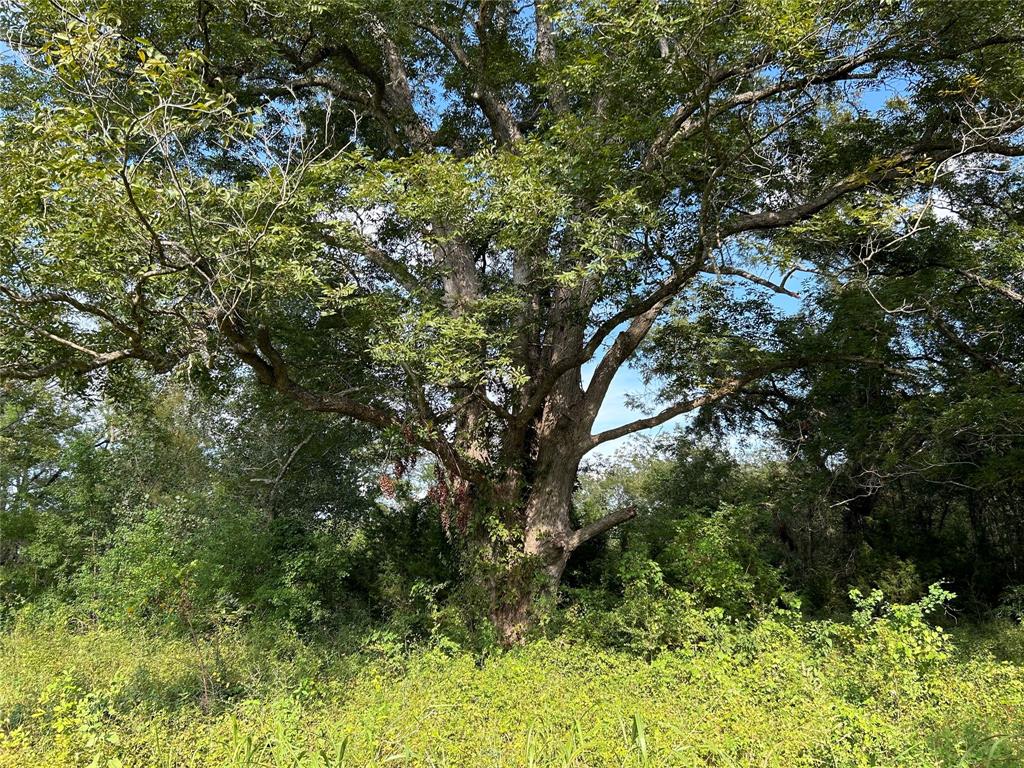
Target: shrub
[650, 617]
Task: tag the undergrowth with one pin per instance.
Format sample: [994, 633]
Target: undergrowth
[885, 689]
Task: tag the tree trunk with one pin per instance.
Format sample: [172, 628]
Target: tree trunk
[519, 595]
[518, 589]
[511, 617]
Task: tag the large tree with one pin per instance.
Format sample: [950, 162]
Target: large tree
[456, 222]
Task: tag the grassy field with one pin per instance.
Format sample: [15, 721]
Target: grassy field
[782, 694]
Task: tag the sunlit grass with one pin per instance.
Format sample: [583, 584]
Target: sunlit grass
[124, 698]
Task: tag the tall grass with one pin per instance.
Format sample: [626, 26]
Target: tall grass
[781, 694]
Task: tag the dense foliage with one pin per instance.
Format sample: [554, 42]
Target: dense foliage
[185, 514]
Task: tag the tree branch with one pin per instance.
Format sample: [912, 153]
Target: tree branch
[665, 290]
[398, 90]
[499, 116]
[764, 282]
[596, 528]
[720, 392]
[995, 285]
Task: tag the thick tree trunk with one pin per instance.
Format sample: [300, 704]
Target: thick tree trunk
[519, 597]
[513, 617]
[547, 540]
[527, 579]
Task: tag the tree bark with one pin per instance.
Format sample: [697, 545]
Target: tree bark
[519, 591]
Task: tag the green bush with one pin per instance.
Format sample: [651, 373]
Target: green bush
[650, 617]
[719, 560]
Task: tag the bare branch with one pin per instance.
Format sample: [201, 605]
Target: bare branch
[274, 482]
[596, 528]
[720, 392]
[762, 281]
